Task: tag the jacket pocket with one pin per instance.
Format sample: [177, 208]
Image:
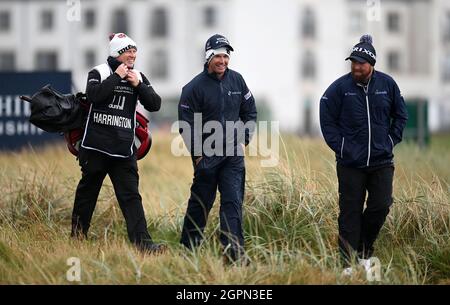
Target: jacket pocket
[342, 148]
[392, 142]
[82, 158]
[199, 165]
[91, 161]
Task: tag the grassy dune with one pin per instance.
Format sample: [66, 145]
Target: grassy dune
[290, 221]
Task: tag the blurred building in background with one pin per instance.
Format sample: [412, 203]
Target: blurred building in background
[289, 51]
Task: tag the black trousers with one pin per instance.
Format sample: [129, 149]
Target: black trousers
[359, 227]
[125, 179]
[228, 175]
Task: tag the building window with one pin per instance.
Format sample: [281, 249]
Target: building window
[202, 56]
[393, 22]
[356, 22]
[5, 21]
[120, 21]
[90, 59]
[307, 117]
[308, 65]
[46, 20]
[446, 28]
[46, 61]
[308, 23]
[7, 61]
[89, 19]
[446, 69]
[394, 61]
[159, 23]
[159, 65]
[209, 17]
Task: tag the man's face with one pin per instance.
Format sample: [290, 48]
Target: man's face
[218, 64]
[361, 71]
[128, 58]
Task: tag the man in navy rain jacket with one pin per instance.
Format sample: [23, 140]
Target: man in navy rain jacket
[221, 97]
[362, 117]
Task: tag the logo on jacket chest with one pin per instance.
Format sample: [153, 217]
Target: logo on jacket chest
[117, 103]
[380, 92]
[124, 89]
[230, 93]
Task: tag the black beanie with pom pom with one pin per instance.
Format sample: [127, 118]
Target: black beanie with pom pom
[364, 51]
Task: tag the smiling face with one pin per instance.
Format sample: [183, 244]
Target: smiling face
[128, 58]
[218, 64]
[361, 72]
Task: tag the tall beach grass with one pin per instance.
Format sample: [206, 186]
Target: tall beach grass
[290, 220]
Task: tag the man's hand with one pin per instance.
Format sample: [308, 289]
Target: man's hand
[132, 78]
[122, 70]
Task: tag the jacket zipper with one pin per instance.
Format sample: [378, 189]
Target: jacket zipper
[222, 102]
[342, 148]
[366, 91]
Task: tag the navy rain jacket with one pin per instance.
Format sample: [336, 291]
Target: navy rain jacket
[362, 124]
[223, 100]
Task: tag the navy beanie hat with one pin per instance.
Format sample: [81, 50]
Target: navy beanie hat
[364, 51]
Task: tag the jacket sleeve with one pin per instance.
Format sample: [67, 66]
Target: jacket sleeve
[399, 116]
[329, 118]
[247, 112]
[187, 107]
[98, 92]
[147, 95]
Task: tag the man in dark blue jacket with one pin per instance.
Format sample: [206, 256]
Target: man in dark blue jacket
[219, 98]
[362, 117]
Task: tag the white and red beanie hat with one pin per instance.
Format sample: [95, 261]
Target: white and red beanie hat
[119, 43]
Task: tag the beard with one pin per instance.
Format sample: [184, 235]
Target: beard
[361, 77]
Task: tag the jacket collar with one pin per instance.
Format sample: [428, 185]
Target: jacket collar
[113, 63]
[371, 80]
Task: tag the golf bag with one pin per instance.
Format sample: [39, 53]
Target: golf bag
[67, 113]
